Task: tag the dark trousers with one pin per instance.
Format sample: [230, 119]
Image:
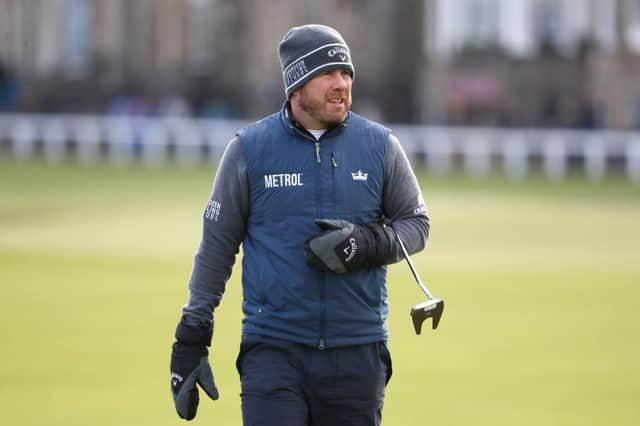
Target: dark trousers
[287, 384]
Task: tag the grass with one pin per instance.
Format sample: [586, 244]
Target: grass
[541, 281]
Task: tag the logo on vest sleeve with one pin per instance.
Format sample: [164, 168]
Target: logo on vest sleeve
[279, 180]
[213, 210]
[422, 207]
[359, 176]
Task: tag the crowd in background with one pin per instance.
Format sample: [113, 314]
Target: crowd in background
[534, 63]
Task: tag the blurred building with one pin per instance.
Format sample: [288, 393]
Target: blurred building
[569, 63]
[565, 63]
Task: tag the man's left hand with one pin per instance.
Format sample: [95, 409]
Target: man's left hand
[341, 247]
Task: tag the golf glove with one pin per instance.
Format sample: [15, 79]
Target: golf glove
[343, 247]
[190, 365]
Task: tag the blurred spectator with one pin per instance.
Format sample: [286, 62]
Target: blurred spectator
[218, 108]
[587, 116]
[475, 99]
[135, 106]
[9, 89]
[174, 106]
[570, 111]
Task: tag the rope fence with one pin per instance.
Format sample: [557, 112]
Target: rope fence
[188, 142]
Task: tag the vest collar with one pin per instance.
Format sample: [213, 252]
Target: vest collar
[293, 126]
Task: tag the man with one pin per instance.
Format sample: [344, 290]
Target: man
[315, 195]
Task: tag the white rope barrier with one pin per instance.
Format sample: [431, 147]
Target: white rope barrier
[188, 142]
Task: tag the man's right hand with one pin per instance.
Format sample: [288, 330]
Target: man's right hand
[190, 365]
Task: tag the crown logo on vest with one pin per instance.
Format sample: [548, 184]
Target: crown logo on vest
[359, 176]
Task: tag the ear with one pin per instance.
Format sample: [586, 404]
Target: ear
[295, 94]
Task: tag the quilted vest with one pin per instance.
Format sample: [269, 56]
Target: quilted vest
[294, 179]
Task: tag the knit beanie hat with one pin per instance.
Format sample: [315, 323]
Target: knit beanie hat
[309, 50]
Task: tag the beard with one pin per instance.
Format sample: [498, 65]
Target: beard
[316, 108]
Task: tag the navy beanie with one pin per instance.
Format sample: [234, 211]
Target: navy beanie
[309, 50]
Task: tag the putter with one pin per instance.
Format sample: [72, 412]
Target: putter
[432, 308]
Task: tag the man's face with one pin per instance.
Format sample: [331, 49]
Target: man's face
[323, 101]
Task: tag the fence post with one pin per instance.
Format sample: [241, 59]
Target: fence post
[120, 140]
[515, 156]
[555, 157]
[477, 155]
[437, 145]
[217, 133]
[54, 137]
[24, 139]
[88, 140]
[155, 143]
[595, 158]
[188, 142]
[632, 154]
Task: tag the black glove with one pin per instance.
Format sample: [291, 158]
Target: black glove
[344, 247]
[190, 365]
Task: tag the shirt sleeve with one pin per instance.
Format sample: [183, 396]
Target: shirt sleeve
[403, 204]
[223, 228]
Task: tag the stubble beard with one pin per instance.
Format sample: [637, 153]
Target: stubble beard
[316, 109]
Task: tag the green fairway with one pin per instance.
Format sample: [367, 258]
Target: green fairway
[541, 282]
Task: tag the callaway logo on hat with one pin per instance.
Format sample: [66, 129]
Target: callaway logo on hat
[309, 50]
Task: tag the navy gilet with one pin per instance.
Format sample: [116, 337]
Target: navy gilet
[292, 181]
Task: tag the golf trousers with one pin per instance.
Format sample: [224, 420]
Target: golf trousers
[288, 384]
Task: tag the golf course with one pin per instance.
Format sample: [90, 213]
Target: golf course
[541, 281]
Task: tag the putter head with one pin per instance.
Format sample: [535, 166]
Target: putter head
[430, 309]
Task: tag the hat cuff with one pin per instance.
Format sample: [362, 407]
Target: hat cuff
[324, 58]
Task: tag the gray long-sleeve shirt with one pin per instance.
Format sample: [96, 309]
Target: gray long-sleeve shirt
[228, 210]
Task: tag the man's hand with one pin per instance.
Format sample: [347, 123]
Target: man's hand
[190, 365]
[343, 246]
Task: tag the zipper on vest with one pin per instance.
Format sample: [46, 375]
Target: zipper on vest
[323, 289]
[323, 312]
[334, 167]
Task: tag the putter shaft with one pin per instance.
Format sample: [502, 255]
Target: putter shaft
[412, 268]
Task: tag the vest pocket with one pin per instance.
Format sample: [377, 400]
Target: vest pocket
[261, 291]
[268, 298]
[272, 297]
[269, 289]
